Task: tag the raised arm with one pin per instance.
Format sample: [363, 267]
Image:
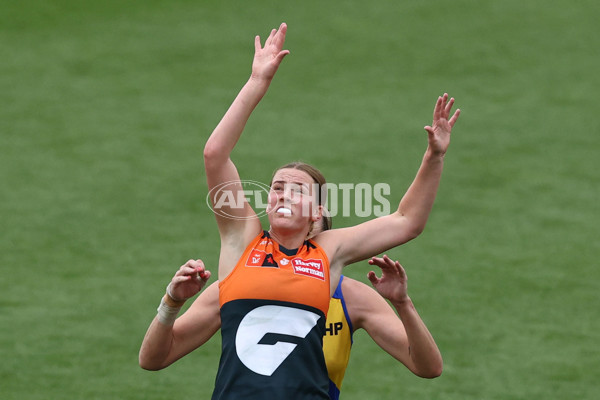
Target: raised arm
[168, 339]
[408, 221]
[235, 221]
[406, 338]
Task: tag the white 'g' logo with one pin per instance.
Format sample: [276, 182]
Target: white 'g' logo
[264, 359]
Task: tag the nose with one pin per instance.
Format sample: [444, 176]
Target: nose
[290, 194]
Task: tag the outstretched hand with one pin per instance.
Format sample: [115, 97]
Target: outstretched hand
[188, 280]
[392, 284]
[439, 131]
[267, 58]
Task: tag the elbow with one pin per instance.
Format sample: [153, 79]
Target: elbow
[214, 157]
[407, 227]
[150, 367]
[415, 227]
[415, 231]
[210, 153]
[148, 364]
[409, 231]
[433, 371]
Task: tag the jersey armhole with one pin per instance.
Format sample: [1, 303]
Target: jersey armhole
[339, 294]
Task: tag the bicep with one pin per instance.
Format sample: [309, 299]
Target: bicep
[370, 238]
[237, 222]
[227, 196]
[387, 330]
[371, 312]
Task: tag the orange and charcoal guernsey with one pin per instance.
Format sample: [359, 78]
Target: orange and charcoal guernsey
[273, 308]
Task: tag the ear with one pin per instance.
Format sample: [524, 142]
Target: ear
[317, 214]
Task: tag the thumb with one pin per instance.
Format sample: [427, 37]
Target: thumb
[373, 278]
[281, 55]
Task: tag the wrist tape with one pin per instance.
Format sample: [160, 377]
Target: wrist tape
[167, 313]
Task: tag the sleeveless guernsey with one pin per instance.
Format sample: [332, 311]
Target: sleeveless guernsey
[337, 341]
[273, 307]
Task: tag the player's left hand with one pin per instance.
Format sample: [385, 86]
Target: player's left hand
[392, 284]
[439, 131]
[267, 59]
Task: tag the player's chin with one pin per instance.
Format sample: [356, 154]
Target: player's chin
[285, 221]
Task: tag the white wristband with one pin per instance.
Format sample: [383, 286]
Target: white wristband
[166, 314]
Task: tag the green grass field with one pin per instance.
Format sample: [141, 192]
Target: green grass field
[105, 109]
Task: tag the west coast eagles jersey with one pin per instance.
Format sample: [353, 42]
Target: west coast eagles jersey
[273, 308]
[337, 341]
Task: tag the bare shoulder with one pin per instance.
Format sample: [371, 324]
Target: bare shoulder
[358, 291]
[233, 246]
[331, 242]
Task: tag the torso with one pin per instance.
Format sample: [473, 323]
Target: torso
[273, 307]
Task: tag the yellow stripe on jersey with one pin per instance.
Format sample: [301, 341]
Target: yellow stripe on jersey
[337, 341]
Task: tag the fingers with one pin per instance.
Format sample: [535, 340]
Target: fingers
[279, 38]
[192, 269]
[204, 276]
[257, 46]
[276, 37]
[387, 265]
[270, 38]
[441, 111]
[189, 267]
[401, 270]
[448, 106]
[452, 120]
[437, 108]
[384, 262]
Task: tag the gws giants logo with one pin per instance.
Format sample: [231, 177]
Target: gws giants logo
[267, 335]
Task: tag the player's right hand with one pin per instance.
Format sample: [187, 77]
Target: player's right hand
[188, 280]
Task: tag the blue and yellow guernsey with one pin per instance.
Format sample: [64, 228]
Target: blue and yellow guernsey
[337, 341]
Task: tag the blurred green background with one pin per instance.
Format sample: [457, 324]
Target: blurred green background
[104, 111]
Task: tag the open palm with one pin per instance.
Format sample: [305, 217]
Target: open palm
[439, 131]
[267, 59]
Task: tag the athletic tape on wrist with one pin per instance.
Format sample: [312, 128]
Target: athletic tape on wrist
[166, 314]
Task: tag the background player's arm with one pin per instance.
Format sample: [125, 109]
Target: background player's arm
[406, 338]
[166, 343]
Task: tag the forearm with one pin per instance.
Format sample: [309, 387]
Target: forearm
[159, 337]
[225, 136]
[156, 346]
[424, 353]
[418, 201]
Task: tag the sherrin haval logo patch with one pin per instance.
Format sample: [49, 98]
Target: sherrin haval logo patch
[256, 258]
[313, 268]
[259, 258]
